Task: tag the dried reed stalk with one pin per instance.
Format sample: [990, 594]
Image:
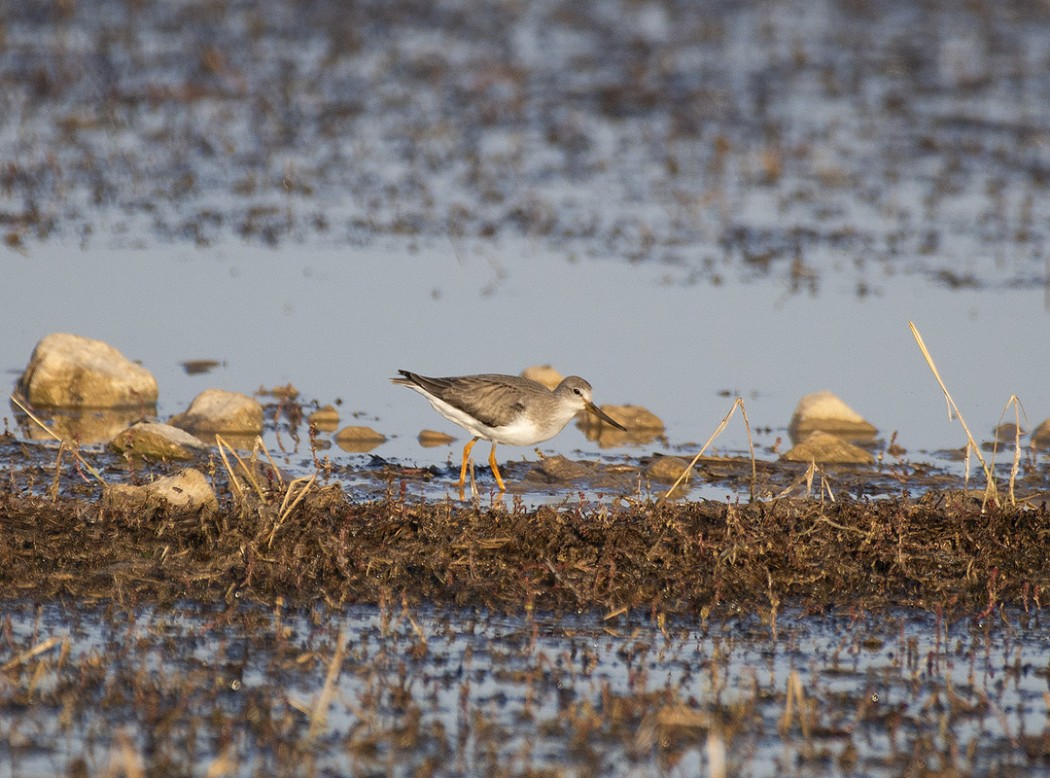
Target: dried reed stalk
[990, 492]
[319, 714]
[737, 403]
[65, 443]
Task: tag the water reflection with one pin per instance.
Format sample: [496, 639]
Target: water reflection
[357, 690]
[608, 436]
[84, 426]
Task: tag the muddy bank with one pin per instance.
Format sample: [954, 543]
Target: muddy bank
[370, 531]
[697, 559]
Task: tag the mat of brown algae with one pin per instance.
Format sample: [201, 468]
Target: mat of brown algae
[698, 558]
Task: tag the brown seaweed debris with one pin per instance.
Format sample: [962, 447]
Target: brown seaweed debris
[700, 559]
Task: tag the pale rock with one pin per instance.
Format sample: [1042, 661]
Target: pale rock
[633, 417]
[826, 448]
[1041, 435]
[216, 411]
[826, 412]
[667, 469]
[325, 419]
[157, 441]
[432, 438]
[643, 426]
[559, 468]
[70, 371]
[544, 374]
[84, 425]
[358, 440]
[185, 492]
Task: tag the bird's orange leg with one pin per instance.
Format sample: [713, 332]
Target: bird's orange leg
[463, 468]
[495, 468]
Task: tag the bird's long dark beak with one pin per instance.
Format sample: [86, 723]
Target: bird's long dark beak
[604, 417]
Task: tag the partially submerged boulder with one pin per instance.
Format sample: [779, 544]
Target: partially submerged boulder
[558, 468]
[667, 469]
[432, 438]
[216, 411]
[1041, 435]
[157, 441]
[642, 425]
[825, 448]
[187, 491]
[634, 417]
[358, 440]
[544, 374]
[325, 419]
[70, 371]
[84, 425]
[826, 412]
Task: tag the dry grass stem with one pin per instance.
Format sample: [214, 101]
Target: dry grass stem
[737, 403]
[825, 486]
[67, 444]
[795, 699]
[716, 753]
[259, 444]
[124, 760]
[806, 477]
[224, 764]
[299, 488]
[231, 477]
[990, 488]
[319, 714]
[249, 473]
[25, 656]
[1015, 466]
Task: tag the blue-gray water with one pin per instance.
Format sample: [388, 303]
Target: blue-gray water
[338, 322]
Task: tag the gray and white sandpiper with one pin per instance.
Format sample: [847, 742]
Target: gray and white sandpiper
[504, 408]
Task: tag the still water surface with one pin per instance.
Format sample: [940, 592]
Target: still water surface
[337, 322]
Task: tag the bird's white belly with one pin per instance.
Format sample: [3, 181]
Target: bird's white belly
[520, 432]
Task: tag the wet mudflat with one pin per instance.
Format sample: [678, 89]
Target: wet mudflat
[726, 142]
[597, 546]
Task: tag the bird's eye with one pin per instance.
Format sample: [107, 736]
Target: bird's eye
[576, 391]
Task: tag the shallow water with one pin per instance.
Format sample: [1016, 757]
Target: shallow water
[466, 693]
[337, 323]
